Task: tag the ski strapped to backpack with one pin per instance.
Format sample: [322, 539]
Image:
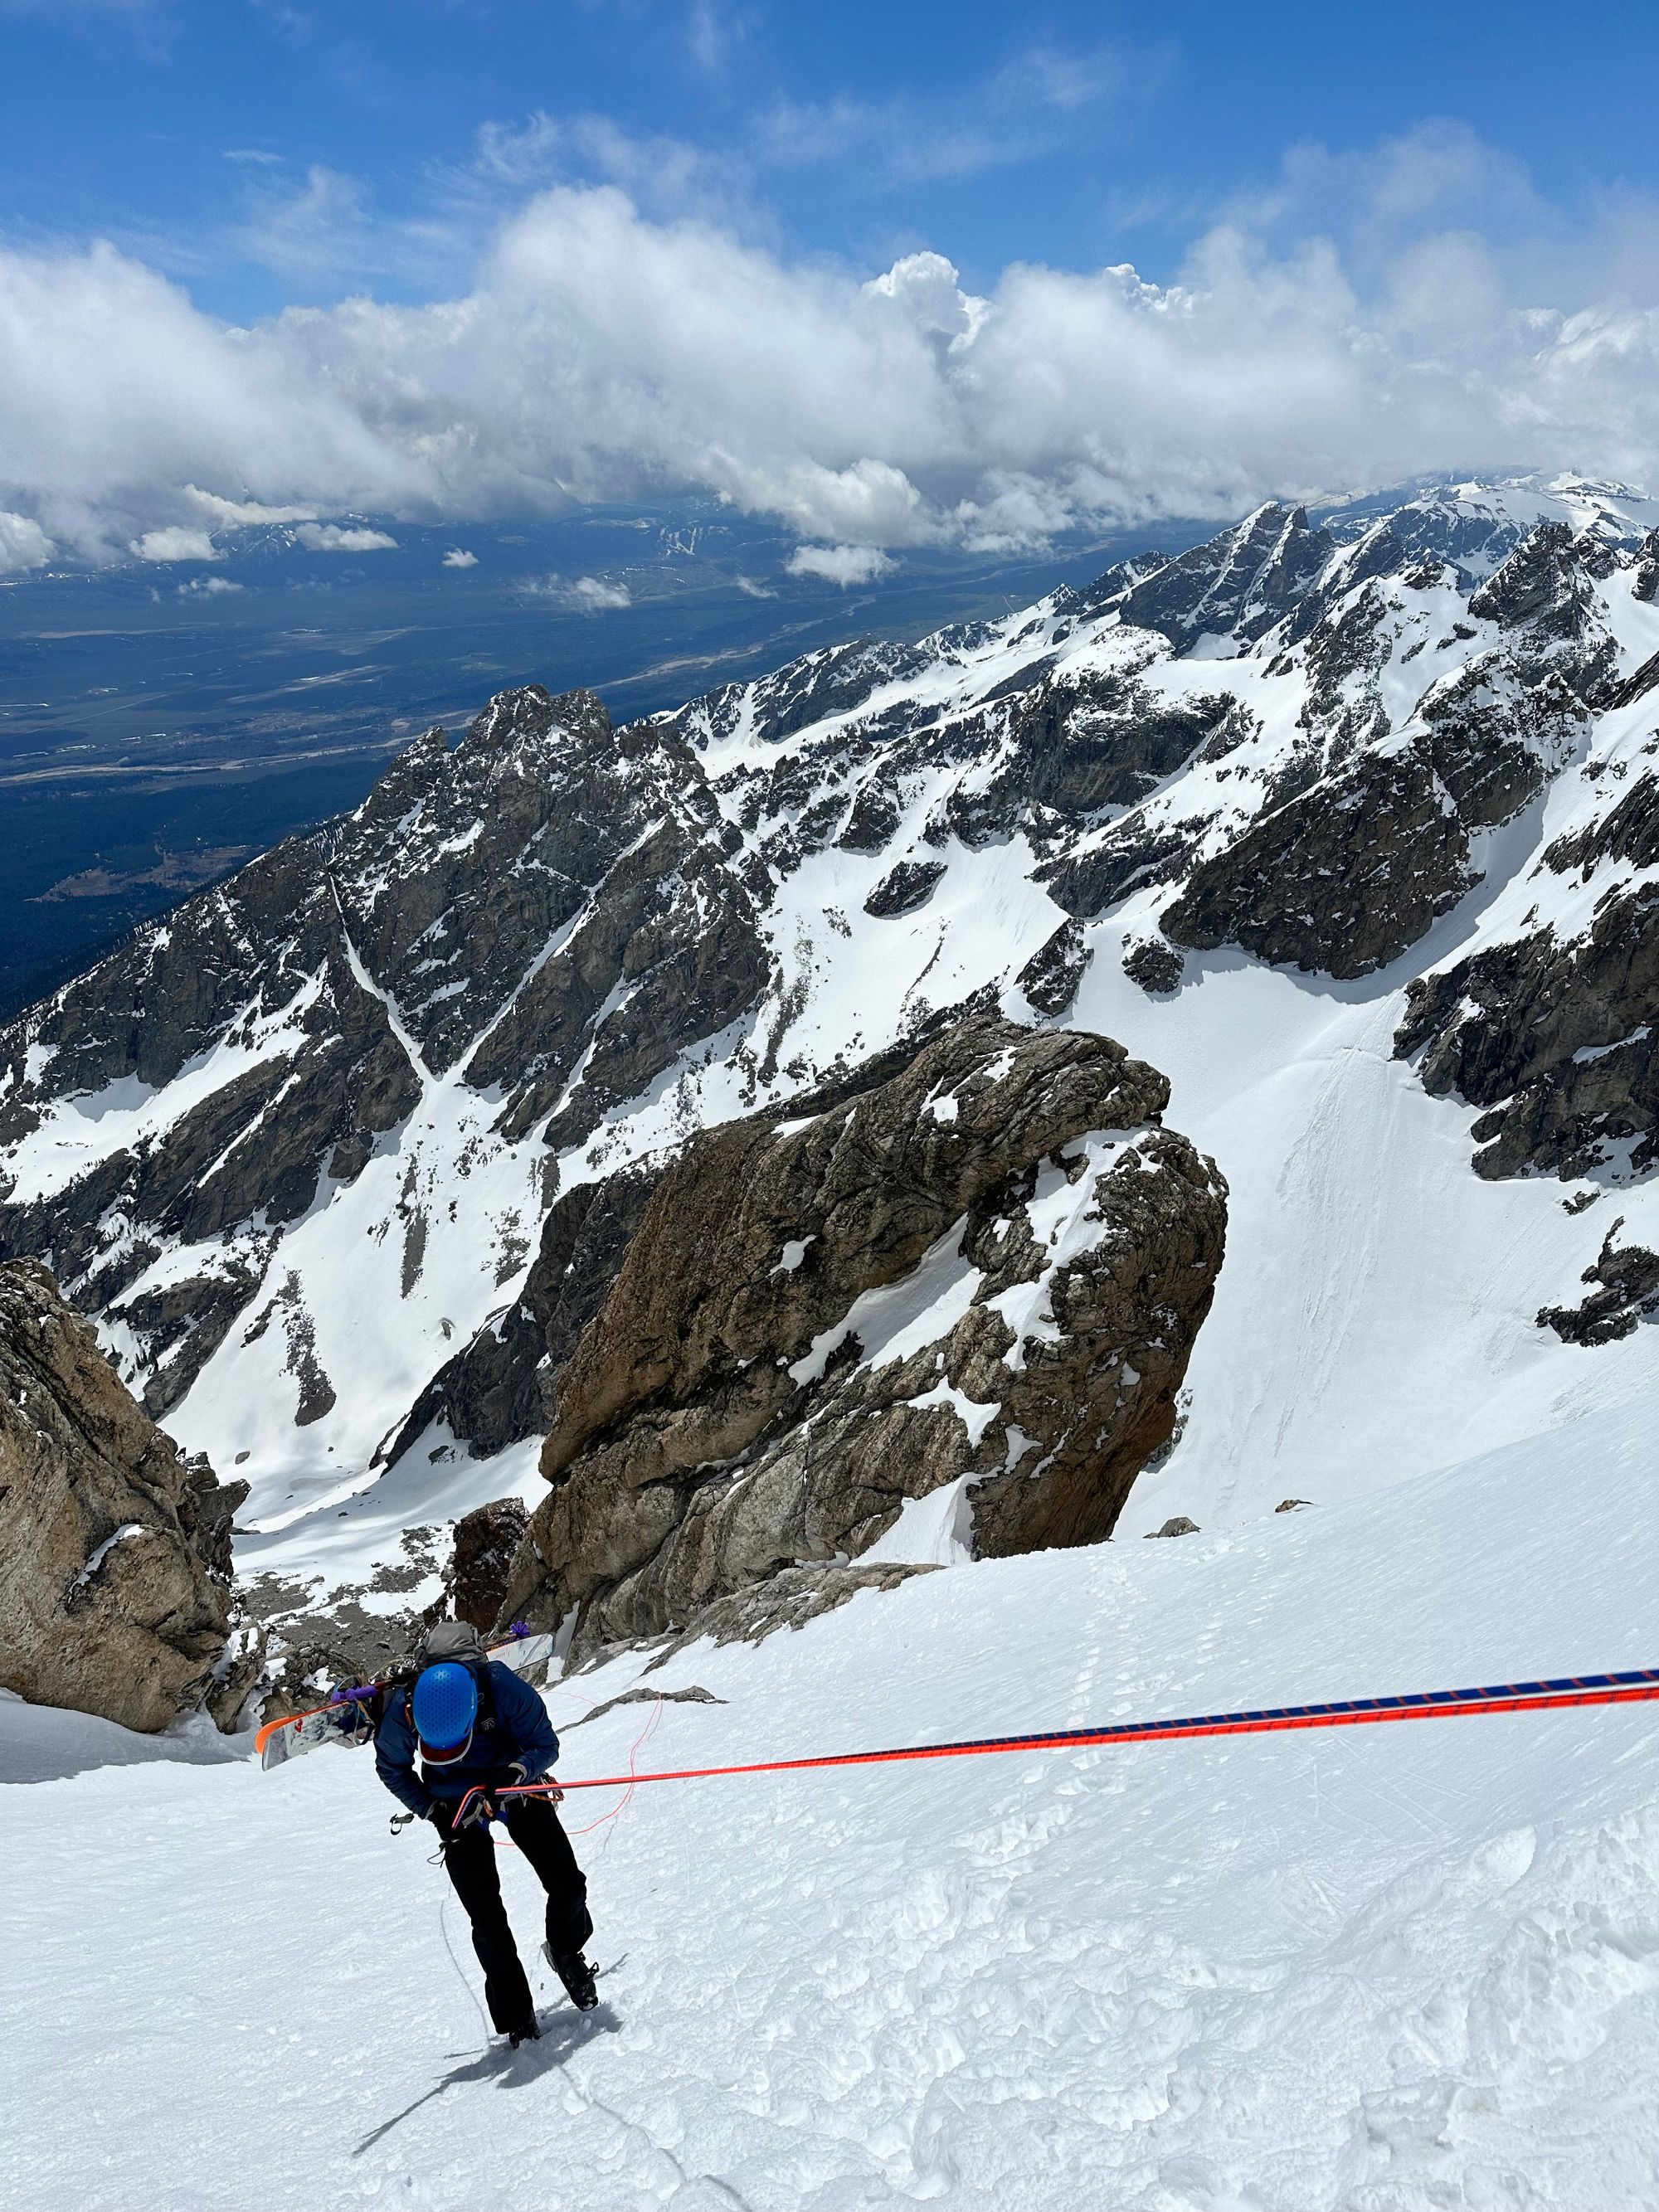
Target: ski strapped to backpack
[351, 1716]
[1635, 1686]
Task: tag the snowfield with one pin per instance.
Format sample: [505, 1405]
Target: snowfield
[1380, 1969]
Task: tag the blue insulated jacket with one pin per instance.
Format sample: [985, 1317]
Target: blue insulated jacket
[522, 1731]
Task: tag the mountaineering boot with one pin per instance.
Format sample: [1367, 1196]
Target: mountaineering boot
[531, 2034]
[573, 1971]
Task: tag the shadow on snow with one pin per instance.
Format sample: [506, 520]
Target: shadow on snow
[560, 2038]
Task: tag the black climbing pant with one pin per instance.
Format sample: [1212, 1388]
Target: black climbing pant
[469, 1859]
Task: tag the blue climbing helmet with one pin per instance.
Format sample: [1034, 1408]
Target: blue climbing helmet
[445, 1707]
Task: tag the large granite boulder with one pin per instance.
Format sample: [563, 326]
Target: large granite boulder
[986, 1271]
[487, 1542]
[115, 1579]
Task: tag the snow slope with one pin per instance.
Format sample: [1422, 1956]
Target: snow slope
[1378, 1969]
[1376, 1314]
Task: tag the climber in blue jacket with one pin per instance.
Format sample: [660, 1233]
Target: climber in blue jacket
[475, 1725]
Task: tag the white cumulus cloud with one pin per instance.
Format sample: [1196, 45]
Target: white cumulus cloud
[845, 565]
[244, 514]
[330, 537]
[459, 558]
[1446, 317]
[23, 543]
[176, 542]
[584, 595]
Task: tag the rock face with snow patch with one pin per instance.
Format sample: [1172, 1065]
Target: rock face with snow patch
[983, 1274]
[550, 900]
[1367, 839]
[1627, 1277]
[115, 1583]
[1554, 1031]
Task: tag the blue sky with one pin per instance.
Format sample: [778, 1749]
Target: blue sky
[1072, 134]
[562, 224]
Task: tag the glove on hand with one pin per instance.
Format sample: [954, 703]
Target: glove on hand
[480, 1807]
[519, 1774]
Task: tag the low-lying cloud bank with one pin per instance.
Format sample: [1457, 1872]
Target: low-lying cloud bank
[600, 354]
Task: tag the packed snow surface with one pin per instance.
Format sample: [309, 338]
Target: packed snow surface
[1382, 1968]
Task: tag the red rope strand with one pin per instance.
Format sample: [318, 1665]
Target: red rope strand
[1635, 1687]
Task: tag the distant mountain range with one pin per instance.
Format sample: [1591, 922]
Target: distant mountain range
[1349, 824]
[158, 712]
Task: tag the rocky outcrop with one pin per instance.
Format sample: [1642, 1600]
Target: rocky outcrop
[1106, 867]
[1628, 1293]
[1556, 1039]
[115, 1581]
[1628, 831]
[1341, 880]
[1050, 978]
[1349, 873]
[984, 1270]
[1367, 835]
[1080, 743]
[487, 1542]
[1555, 1034]
[1156, 966]
[905, 887]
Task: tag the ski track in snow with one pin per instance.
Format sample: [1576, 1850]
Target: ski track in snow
[1382, 1969]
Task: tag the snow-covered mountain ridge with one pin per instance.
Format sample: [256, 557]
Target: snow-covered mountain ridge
[1347, 828]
